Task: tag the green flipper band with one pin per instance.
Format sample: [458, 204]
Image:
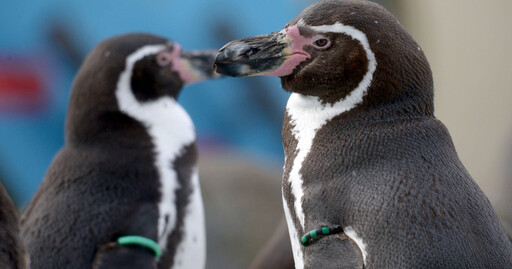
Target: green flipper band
[309, 237]
[140, 241]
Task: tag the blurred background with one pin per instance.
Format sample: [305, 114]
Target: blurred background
[238, 121]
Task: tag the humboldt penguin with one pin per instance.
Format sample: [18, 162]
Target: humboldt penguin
[124, 191]
[371, 177]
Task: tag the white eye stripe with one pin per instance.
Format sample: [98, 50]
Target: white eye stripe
[141, 53]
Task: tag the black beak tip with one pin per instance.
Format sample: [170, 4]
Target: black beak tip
[227, 69]
[220, 57]
[224, 66]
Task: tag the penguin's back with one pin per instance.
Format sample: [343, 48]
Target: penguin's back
[87, 200]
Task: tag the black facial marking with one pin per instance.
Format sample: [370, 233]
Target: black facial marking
[331, 74]
[151, 81]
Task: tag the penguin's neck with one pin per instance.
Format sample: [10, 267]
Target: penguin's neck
[309, 113]
[166, 122]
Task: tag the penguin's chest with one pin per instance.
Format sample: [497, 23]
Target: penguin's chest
[308, 175]
[305, 117]
[170, 138]
[180, 219]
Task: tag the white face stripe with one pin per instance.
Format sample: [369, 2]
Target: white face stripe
[349, 231]
[308, 114]
[170, 129]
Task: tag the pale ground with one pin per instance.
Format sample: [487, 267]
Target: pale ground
[243, 205]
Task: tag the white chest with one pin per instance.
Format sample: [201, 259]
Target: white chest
[169, 136]
[191, 252]
[307, 115]
[170, 129]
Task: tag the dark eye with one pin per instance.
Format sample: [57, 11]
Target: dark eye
[322, 43]
[163, 58]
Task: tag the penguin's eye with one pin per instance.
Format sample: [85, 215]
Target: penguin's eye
[163, 58]
[322, 43]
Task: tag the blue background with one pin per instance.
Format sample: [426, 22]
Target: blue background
[226, 112]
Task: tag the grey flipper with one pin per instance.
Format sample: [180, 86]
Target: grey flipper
[322, 254]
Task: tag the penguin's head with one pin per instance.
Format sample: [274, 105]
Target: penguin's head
[130, 76]
[334, 48]
[151, 66]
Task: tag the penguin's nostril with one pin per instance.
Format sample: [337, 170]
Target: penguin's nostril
[252, 51]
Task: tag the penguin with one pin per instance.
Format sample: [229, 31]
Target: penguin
[124, 190]
[371, 177]
[13, 254]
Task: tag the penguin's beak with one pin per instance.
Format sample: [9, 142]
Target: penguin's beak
[197, 66]
[259, 55]
[276, 54]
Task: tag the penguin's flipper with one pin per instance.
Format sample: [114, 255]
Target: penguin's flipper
[277, 253]
[113, 255]
[336, 251]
